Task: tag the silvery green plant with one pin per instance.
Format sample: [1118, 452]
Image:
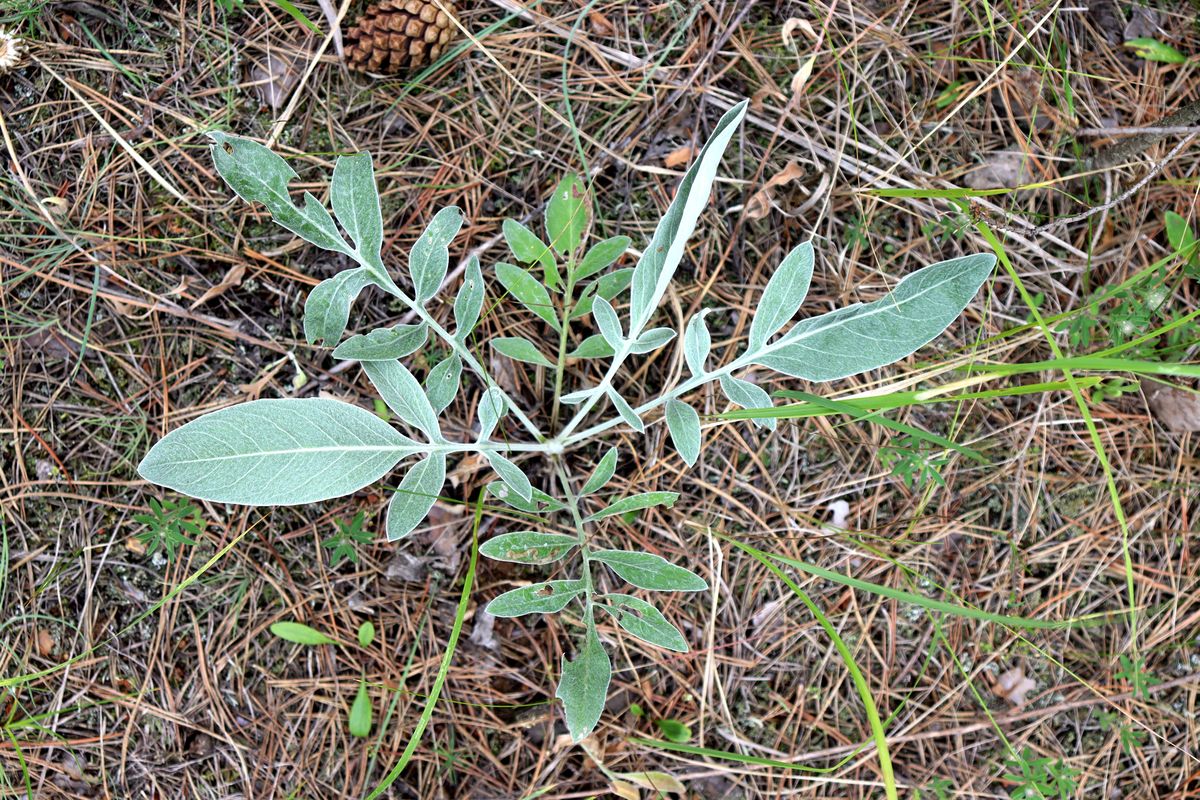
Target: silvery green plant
[294, 451]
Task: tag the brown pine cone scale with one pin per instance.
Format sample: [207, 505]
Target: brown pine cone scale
[395, 36]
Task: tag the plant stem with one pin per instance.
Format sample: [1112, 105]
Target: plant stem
[581, 530]
[560, 364]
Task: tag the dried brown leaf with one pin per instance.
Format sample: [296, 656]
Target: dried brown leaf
[759, 204]
[1175, 409]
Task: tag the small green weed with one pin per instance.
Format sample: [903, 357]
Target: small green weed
[168, 525]
[344, 543]
[1040, 776]
[913, 461]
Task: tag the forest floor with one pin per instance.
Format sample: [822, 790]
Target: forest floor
[136, 292]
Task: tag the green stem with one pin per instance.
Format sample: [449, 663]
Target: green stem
[560, 363]
[581, 529]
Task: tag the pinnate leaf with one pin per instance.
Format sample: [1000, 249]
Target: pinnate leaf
[548, 597]
[683, 423]
[583, 687]
[429, 259]
[648, 571]
[277, 452]
[603, 473]
[511, 474]
[782, 297]
[520, 349]
[528, 291]
[417, 493]
[528, 547]
[636, 502]
[601, 256]
[384, 344]
[403, 395]
[867, 336]
[355, 200]
[259, 176]
[645, 622]
[327, 309]
[567, 214]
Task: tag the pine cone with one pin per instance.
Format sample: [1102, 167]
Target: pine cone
[395, 36]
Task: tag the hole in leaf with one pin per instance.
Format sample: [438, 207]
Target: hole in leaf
[545, 591]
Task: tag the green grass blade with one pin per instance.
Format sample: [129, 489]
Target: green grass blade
[444, 668]
[927, 603]
[856, 675]
[841, 407]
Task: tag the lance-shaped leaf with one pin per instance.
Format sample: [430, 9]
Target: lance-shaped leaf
[299, 633]
[626, 411]
[648, 571]
[583, 687]
[469, 301]
[492, 406]
[603, 472]
[651, 340]
[568, 213]
[540, 504]
[601, 256]
[259, 176]
[404, 395]
[748, 395]
[606, 286]
[578, 396]
[697, 341]
[528, 291]
[429, 259]
[415, 495]
[277, 452]
[782, 297]
[867, 336]
[540, 598]
[529, 547]
[594, 346]
[384, 344]
[636, 502]
[645, 622]
[443, 382]
[526, 247]
[511, 474]
[356, 202]
[608, 322]
[520, 349]
[327, 309]
[359, 721]
[683, 423]
[662, 255]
